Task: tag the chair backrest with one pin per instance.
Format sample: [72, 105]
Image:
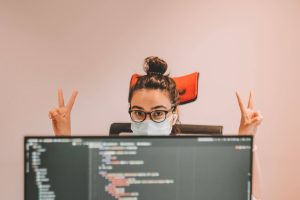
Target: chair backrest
[117, 128]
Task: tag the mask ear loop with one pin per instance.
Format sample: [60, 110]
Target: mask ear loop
[174, 115]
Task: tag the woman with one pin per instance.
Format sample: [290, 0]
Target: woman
[153, 108]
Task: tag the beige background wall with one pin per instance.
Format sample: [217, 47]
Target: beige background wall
[95, 46]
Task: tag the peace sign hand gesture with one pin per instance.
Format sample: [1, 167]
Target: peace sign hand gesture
[250, 119]
[61, 116]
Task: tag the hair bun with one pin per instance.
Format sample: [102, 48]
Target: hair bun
[154, 64]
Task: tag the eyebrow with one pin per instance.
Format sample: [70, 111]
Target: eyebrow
[137, 107]
[153, 108]
[157, 107]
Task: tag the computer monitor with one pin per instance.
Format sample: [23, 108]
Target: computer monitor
[141, 167]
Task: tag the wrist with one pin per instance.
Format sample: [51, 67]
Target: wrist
[63, 132]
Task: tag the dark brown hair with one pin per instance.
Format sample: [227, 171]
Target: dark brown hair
[155, 79]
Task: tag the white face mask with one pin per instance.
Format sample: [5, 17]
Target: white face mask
[149, 127]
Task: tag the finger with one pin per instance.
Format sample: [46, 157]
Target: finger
[260, 116]
[61, 112]
[250, 102]
[256, 120]
[72, 100]
[257, 114]
[53, 114]
[50, 115]
[61, 101]
[257, 117]
[242, 107]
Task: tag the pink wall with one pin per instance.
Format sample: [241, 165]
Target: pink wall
[95, 46]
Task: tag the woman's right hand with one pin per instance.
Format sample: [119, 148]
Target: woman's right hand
[61, 116]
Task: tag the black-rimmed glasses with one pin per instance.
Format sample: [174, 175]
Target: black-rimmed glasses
[155, 115]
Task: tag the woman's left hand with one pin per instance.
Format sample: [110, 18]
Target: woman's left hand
[250, 119]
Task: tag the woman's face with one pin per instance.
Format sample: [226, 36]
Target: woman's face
[148, 100]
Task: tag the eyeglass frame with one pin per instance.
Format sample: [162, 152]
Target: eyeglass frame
[172, 109]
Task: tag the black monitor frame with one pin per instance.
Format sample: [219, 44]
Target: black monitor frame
[137, 137]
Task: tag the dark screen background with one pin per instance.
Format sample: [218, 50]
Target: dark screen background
[211, 170]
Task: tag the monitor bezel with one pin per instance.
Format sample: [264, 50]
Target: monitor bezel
[26, 138]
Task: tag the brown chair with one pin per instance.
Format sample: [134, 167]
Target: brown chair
[189, 129]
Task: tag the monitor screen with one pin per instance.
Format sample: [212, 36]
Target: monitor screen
[131, 168]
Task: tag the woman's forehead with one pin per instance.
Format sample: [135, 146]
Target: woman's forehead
[148, 99]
